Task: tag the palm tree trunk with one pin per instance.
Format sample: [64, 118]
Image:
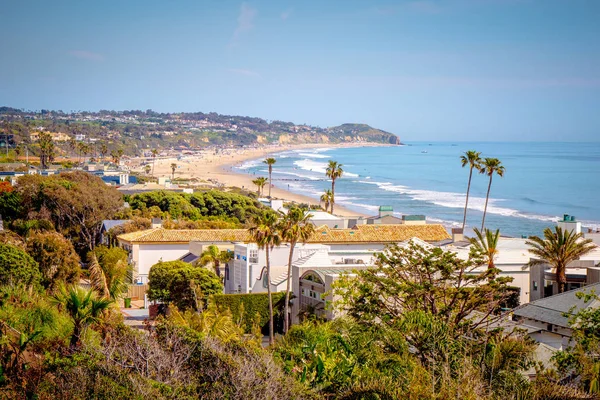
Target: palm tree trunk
[467, 201]
[270, 297]
[217, 268]
[487, 197]
[270, 180]
[561, 278]
[152, 166]
[286, 321]
[332, 194]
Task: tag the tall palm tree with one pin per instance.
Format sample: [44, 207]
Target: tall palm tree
[333, 172]
[490, 166]
[173, 168]
[472, 159]
[212, 255]
[82, 306]
[270, 161]
[326, 198]
[295, 227]
[486, 245]
[558, 249]
[103, 151]
[266, 234]
[260, 184]
[154, 154]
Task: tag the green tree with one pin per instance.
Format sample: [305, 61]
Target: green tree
[103, 151]
[260, 184]
[147, 169]
[47, 149]
[109, 271]
[295, 227]
[173, 168]
[17, 267]
[473, 160]
[270, 161]
[266, 234]
[82, 306]
[182, 284]
[58, 262]
[334, 171]
[154, 153]
[327, 199]
[486, 245]
[490, 167]
[212, 255]
[558, 249]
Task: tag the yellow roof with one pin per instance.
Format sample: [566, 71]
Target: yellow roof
[361, 234]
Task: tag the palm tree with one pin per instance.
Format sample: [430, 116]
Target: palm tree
[558, 249]
[147, 168]
[472, 159]
[260, 184]
[154, 154]
[270, 161]
[82, 306]
[486, 245]
[109, 283]
[490, 166]
[334, 171]
[173, 168]
[212, 255]
[266, 234]
[326, 198]
[295, 227]
[103, 151]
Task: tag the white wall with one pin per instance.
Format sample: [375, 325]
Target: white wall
[150, 254]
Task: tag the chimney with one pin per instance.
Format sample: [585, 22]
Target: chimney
[385, 211]
[569, 223]
[156, 223]
[457, 235]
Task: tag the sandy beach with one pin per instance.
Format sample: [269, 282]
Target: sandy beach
[216, 168]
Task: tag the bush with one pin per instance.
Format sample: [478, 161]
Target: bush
[17, 267]
[250, 305]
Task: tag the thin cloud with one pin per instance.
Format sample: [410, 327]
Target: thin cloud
[86, 55]
[286, 14]
[245, 21]
[244, 72]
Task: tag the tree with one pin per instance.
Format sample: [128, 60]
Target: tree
[154, 153]
[72, 144]
[270, 161]
[327, 198]
[76, 202]
[17, 267]
[333, 172]
[173, 168]
[490, 166]
[82, 306]
[486, 245]
[58, 262]
[267, 235]
[116, 155]
[212, 255]
[260, 184]
[103, 151]
[47, 149]
[184, 285]
[473, 160]
[109, 271]
[147, 168]
[558, 249]
[295, 227]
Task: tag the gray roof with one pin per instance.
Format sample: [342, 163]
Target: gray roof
[557, 309]
[189, 258]
[108, 224]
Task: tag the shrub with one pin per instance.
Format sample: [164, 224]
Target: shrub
[17, 267]
[245, 307]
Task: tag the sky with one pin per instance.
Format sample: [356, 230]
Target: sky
[455, 70]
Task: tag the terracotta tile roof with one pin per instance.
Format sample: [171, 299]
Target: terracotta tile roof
[323, 234]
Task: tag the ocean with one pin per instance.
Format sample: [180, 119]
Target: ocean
[542, 182]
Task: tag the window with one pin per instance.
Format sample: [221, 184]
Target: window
[226, 272]
[535, 285]
[253, 256]
[265, 281]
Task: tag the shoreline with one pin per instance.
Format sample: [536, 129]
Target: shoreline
[217, 168]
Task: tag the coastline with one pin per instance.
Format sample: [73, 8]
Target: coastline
[217, 168]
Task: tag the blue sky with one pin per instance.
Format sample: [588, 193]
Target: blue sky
[433, 70]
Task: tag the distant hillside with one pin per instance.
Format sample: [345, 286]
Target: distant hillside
[135, 131]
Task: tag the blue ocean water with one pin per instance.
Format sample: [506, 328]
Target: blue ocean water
[542, 182]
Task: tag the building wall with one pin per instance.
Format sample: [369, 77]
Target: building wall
[331, 223]
[150, 254]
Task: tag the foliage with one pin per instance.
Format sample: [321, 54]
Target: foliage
[334, 171]
[182, 284]
[109, 271]
[486, 245]
[558, 249]
[251, 308]
[473, 160]
[490, 167]
[56, 257]
[76, 202]
[210, 322]
[212, 255]
[17, 267]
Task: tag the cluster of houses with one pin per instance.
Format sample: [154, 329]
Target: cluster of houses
[341, 245]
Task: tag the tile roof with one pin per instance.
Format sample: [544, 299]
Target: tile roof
[323, 234]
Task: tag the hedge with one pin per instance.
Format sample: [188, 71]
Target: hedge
[254, 303]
